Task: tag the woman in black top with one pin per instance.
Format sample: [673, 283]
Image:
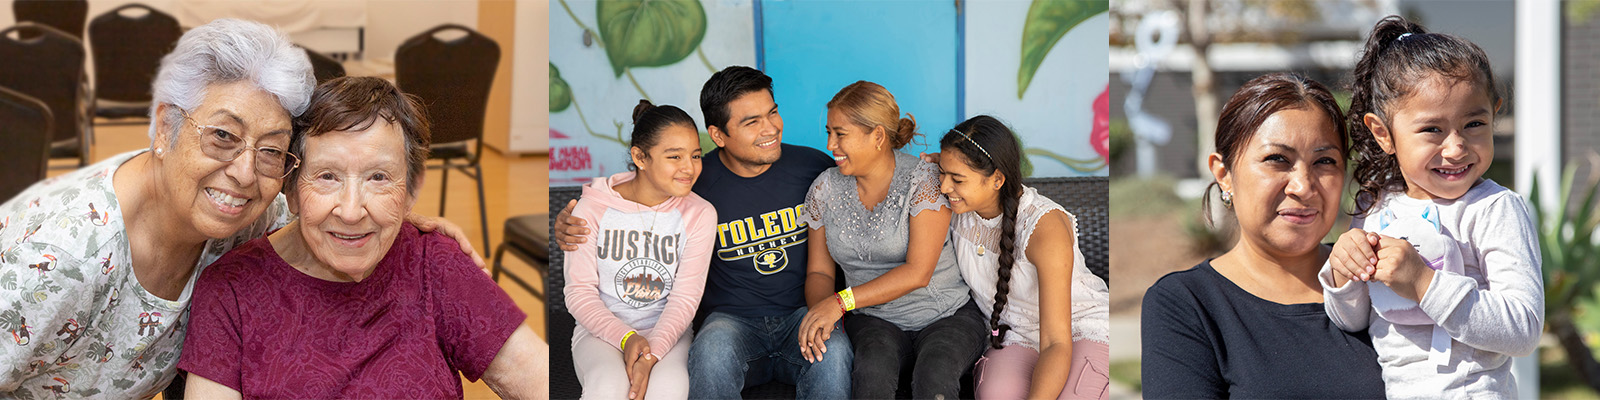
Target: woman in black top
[1250, 323]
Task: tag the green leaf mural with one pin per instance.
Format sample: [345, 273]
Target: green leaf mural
[1047, 22]
[560, 93]
[650, 33]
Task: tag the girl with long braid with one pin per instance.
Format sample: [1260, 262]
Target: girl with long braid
[1018, 252]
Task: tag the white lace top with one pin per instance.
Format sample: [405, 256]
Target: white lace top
[977, 240]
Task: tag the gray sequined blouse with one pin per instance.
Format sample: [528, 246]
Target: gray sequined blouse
[867, 244]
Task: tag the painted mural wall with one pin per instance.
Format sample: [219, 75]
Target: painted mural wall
[1010, 59]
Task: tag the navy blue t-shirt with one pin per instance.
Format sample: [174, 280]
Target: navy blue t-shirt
[759, 267]
[1206, 338]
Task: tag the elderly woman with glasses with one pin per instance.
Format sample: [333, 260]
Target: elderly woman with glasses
[97, 266]
[351, 301]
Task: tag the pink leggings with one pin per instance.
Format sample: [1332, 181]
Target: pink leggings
[1006, 373]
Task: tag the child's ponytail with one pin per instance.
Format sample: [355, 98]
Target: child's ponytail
[1398, 55]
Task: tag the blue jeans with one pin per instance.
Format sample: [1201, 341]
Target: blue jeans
[731, 352]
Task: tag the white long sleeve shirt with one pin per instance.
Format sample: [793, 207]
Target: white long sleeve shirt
[1493, 312]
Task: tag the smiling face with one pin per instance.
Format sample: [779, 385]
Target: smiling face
[673, 164]
[854, 147]
[755, 130]
[352, 198]
[221, 198]
[1286, 182]
[1442, 137]
[968, 189]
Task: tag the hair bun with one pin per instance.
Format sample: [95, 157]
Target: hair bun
[907, 127]
[639, 110]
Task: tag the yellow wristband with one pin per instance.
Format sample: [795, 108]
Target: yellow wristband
[625, 339]
[849, 298]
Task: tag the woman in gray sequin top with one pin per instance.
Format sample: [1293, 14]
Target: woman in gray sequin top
[885, 224]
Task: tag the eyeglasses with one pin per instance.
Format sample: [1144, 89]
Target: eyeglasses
[221, 145]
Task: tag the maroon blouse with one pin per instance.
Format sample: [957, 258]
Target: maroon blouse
[263, 328]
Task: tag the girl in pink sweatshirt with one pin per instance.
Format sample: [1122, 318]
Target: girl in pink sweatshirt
[635, 288]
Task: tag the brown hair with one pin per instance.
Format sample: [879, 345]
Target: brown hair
[355, 103]
[1398, 55]
[1257, 100]
[870, 105]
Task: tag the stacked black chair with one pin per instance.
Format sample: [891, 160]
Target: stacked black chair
[25, 125]
[64, 15]
[452, 78]
[129, 42]
[49, 67]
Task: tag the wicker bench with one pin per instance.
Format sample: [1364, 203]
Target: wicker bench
[1085, 197]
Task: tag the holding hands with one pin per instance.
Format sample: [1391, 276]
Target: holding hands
[1367, 256]
[817, 327]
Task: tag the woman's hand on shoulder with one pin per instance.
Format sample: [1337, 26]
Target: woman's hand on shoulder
[437, 224]
[569, 231]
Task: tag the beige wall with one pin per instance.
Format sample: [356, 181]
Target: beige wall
[496, 19]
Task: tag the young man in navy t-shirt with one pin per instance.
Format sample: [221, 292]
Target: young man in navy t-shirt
[755, 290]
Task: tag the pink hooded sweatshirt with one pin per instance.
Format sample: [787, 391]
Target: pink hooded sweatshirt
[643, 269]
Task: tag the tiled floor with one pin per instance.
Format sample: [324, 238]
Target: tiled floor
[512, 186]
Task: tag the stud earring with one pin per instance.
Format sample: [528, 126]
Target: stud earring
[1227, 199]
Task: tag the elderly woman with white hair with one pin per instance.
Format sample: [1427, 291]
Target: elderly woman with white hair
[97, 266]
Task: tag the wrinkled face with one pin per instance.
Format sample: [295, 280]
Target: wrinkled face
[968, 189]
[1286, 182]
[352, 198]
[854, 146]
[220, 198]
[673, 163]
[755, 130]
[1442, 135]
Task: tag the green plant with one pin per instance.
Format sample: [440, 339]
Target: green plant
[1121, 137]
[1571, 266]
[1047, 21]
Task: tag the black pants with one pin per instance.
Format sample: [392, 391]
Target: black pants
[940, 353]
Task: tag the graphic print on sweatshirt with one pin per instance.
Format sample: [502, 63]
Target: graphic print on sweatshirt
[762, 239]
[640, 251]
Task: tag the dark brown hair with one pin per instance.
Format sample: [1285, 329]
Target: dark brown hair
[649, 120]
[1257, 100]
[1398, 55]
[354, 103]
[989, 147]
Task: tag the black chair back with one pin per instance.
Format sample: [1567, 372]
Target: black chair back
[324, 67]
[64, 15]
[129, 50]
[452, 79]
[48, 67]
[25, 125]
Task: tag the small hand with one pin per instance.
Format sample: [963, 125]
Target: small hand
[1352, 256]
[1402, 268]
[636, 353]
[569, 231]
[639, 376]
[929, 157]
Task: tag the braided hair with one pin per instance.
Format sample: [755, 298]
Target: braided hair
[1398, 55]
[989, 146]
